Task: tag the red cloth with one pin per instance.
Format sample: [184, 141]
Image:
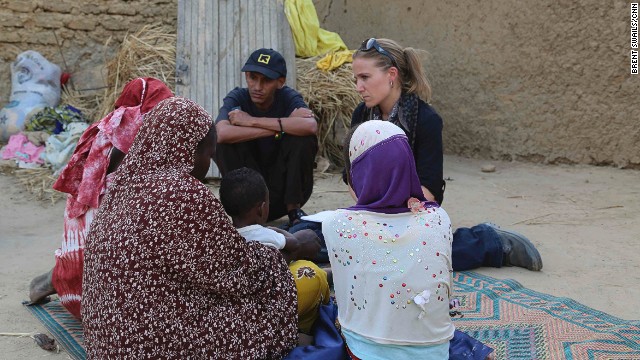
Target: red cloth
[353, 357]
[64, 78]
[85, 180]
[83, 177]
[67, 273]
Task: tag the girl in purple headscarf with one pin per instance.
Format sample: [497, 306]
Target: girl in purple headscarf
[390, 254]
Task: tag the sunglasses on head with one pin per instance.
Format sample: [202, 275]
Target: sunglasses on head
[372, 43]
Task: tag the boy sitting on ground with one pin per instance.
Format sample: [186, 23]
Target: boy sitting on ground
[245, 197]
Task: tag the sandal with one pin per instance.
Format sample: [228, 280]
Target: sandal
[295, 216]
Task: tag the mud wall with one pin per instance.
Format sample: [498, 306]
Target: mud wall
[540, 81]
[73, 32]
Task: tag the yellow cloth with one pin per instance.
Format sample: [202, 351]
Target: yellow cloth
[335, 59]
[313, 290]
[310, 40]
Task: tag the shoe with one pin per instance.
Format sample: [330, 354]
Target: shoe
[518, 250]
[295, 216]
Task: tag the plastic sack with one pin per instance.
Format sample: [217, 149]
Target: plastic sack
[35, 84]
[335, 59]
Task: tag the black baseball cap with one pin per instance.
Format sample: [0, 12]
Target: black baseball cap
[267, 62]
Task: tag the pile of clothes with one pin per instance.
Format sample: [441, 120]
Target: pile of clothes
[49, 139]
[39, 132]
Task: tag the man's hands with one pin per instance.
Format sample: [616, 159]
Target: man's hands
[304, 244]
[302, 112]
[241, 126]
[240, 118]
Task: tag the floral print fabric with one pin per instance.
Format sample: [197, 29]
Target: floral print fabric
[167, 276]
[86, 181]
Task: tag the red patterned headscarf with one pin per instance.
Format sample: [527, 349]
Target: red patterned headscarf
[84, 176]
[166, 273]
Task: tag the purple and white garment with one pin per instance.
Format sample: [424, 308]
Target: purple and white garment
[391, 252]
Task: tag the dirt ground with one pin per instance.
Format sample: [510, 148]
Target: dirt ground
[584, 220]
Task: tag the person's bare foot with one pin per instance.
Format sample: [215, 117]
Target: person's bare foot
[491, 356]
[41, 286]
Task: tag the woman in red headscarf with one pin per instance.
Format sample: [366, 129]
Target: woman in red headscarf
[86, 178]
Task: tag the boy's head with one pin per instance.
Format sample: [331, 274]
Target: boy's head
[245, 196]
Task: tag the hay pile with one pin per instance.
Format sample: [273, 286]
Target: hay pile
[332, 96]
[88, 102]
[150, 52]
[38, 182]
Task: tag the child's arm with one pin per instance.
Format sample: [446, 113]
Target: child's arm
[304, 244]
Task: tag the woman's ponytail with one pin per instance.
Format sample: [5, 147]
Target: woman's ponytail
[415, 79]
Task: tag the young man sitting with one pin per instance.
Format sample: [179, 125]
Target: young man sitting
[269, 128]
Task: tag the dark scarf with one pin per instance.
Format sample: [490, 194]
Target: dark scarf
[404, 114]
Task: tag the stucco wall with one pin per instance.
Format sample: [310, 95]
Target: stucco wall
[81, 27]
[541, 81]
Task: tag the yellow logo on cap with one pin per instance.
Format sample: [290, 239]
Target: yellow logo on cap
[264, 59]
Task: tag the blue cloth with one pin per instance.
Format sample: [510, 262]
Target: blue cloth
[464, 347]
[328, 344]
[475, 247]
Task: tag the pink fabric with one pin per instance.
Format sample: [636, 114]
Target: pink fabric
[20, 148]
[84, 175]
[33, 152]
[15, 144]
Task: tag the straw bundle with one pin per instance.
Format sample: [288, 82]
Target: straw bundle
[332, 96]
[150, 52]
[89, 103]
